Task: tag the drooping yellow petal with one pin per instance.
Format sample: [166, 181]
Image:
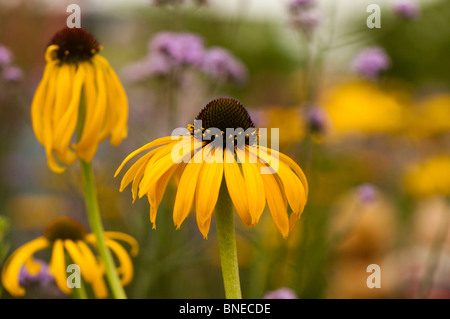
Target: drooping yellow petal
[254, 185]
[289, 162]
[68, 122]
[126, 238]
[185, 192]
[78, 258]
[95, 94]
[236, 188]
[63, 93]
[58, 266]
[155, 143]
[48, 130]
[156, 168]
[11, 268]
[125, 265]
[276, 203]
[208, 186]
[38, 104]
[130, 175]
[156, 192]
[96, 270]
[117, 100]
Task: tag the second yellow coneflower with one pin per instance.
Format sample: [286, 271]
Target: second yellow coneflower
[79, 91]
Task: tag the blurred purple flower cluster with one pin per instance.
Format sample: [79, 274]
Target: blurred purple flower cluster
[318, 120]
[407, 9]
[43, 276]
[282, 293]
[371, 61]
[177, 2]
[9, 72]
[171, 51]
[304, 15]
[366, 193]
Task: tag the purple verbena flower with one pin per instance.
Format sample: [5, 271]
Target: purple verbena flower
[407, 9]
[282, 293]
[318, 120]
[220, 63]
[5, 56]
[366, 193]
[182, 49]
[371, 61]
[43, 276]
[152, 65]
[296, 5]
[307, 21]
[164, 2]
[12, 74]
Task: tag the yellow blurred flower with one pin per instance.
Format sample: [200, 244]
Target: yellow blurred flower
[363, 108]
[79, 91]
[432, 116]
[289, 120]
[65, 235]
[430, 177]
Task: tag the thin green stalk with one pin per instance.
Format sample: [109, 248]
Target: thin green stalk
[227, 245]
[435, 254]
[80, 293]
[97, 228]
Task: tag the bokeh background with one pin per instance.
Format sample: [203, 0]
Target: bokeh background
[365, 112]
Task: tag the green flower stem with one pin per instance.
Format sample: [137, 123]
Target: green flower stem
[227, 245]
[80, 293]
[435, 254]
[97, 228]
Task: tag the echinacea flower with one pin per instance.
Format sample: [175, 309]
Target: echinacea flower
[79, 92]
[200, 163]
[65, 235]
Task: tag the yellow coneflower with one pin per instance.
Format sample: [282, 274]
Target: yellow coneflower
[200, 165]
[79, 91]
[66, 236]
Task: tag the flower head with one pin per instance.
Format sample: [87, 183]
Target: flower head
[371, 61]
[79, 92]
[282, 293]
[43, 276]
[65, 235]
[5, 56]
[366, 193]
[220, 63]
[318, 120]
[181, 49]
[407, 9]
[12, 74]
[205, 154]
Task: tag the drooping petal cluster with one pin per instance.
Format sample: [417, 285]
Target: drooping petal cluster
[79, 95]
